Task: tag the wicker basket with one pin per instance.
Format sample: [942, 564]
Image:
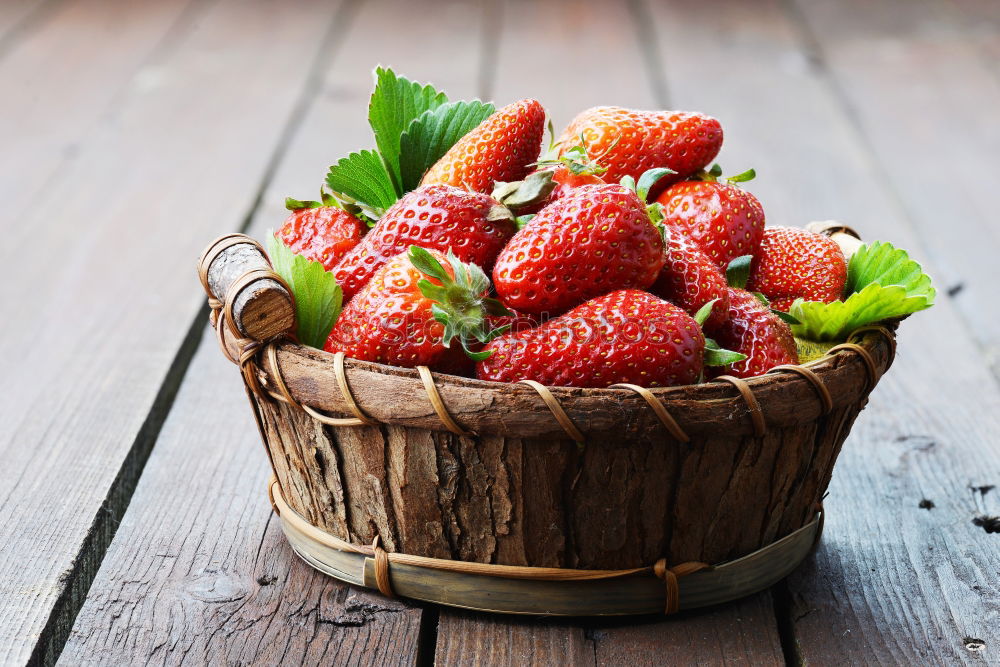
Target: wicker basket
[526, 499]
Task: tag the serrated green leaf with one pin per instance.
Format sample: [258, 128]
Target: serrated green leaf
[363, 177]
[318, 297]
[428, 137]
[883, 282]
[395, 103]
[880, 262]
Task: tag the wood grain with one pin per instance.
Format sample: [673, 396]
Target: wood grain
[211, 437]
[888, 58]
[108, 263]
[892, 582]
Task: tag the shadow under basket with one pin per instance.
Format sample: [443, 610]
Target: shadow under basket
[518, 498]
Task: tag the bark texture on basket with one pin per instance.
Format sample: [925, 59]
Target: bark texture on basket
[629, 496]
[263, 309]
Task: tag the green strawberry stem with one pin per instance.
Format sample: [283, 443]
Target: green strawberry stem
[459, 303]
[714, 174]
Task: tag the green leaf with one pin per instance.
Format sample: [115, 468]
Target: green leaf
[363, 178]
[883, 283]
[785, 317]
[719, 356]
[880, 262]
[428, 137]
[704, 312]
[649, 178]
[426, 263]
[395, 103]
[747, 175]
[318, 297]
[738, 271]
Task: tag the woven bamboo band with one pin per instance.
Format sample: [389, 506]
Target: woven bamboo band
[438, 404]
[670, 576]
[756, 414]
[345, 390]
[384, 560]
[659, 409]
[382, 569]
[557, 410]
[824, 394]
[870, 367]
[889, 336]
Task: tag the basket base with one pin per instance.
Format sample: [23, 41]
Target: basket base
[638, 593]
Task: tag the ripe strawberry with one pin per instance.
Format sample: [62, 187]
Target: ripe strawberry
[552, 180]
[629, 142]
[690, 279]
[625, 336]
[412, 310]
[793, 263]
[724, 220]
[752, 329]
[501, 148]
[474, 225]
[321, 233]
[595, 239]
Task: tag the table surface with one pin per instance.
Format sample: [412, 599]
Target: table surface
[134, 525]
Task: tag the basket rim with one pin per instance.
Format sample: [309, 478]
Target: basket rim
[398, 396]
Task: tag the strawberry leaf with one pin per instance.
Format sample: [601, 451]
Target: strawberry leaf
[428, 137]
[883, 283]
[395, 103]
[318, 297]
[738, 271]
[363, 178]
[720, 356]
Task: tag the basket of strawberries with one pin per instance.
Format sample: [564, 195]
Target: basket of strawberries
[582, 381]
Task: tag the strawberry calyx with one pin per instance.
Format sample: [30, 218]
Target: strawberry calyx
[459, 301]
[714, 175]
[737, 275]
[325, 199]
[715, 355]
[521, 195]
[576, 159]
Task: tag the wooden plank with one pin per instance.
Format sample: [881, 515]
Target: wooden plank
[888, 59]
[92, 54]
[891, 582]
[594, 77]
[222, 522]
[726, 635]
[102, 343]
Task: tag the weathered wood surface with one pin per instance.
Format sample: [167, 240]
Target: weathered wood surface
[103, 300]
[820, 100]
[892, 582]
[337, 624]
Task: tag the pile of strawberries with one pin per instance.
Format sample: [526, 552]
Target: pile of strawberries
[617, 257]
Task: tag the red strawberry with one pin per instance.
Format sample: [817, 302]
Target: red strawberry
[413, 309]
[515, 322]
[474, 225]
[690, 279]
[724, 220]
[629, 142]
[625, 336]
[752, 329]
[323, 234]
[793, 263]
[595, 239]
[501, 148]
[552, 180]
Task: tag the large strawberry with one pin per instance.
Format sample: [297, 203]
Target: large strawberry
[752, 329]
[473, 225]
[793, 263]
[593, 240]
[690, 279]
[501, 148]
[629, 142]
[320, 231]
[625, 336]
[414, 309]
[724, 220]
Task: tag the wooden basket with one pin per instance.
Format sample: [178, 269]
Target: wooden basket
[526, 499]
